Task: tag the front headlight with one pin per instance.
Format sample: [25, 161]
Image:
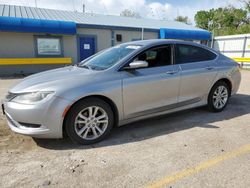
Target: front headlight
[32, 98]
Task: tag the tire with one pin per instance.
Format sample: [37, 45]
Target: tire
[89, 121]
[218, 97]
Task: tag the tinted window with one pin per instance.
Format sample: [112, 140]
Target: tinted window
[190, 54]
[156, 57]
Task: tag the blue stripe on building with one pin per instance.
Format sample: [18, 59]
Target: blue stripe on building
[13, 24]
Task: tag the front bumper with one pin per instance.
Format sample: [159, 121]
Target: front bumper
[47, 115]
[18, 128]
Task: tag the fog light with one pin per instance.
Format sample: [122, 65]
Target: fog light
[29, 125]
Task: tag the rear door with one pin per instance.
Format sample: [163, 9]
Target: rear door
[198, 71]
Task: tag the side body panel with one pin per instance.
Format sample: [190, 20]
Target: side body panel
[196, 78]
[146, 90]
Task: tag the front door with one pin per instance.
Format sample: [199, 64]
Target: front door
[152, 89]
[87, 46]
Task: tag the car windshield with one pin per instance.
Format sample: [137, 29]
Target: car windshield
[108, 58]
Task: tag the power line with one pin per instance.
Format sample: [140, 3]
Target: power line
[74, 6]
[105, 8]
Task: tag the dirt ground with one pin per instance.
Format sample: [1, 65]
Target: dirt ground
[146, 153]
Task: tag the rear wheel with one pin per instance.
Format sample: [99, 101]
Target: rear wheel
[89, 121]
[218, 97]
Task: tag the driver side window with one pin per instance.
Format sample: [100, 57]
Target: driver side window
[156, 57]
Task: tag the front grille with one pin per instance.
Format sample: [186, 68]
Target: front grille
[10, 96]
[29, 125]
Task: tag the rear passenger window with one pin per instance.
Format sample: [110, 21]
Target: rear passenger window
[190, 54]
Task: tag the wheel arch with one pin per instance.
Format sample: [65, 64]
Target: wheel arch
[227, 81]
[104, 98]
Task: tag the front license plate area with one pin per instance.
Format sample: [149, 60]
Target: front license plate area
[3, 110]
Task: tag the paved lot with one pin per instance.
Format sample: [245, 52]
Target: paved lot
[194, 148]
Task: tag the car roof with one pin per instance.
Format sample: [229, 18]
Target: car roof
[166, 41]
[149, 42]
[159, 41]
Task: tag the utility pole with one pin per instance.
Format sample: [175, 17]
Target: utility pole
[36, 3]
[83, 8]
[177, 11]
[105, 9]
[74, 7]
[142, 33]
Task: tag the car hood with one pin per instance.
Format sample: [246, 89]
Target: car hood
[54, 79]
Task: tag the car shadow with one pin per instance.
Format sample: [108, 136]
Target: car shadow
[239, 105]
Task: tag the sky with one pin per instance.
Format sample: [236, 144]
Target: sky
[155, 9]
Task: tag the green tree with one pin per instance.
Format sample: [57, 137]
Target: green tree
[246, 4]
[130, 13]
[223, 21]
[203, 19]
[183, 19]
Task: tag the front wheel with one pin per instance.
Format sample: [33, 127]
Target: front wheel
[89, 121]
[218, 97]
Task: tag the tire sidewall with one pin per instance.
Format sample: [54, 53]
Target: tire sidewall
[210, 97]
[79, 106]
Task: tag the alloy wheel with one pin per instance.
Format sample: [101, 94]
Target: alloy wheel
[91, 122]
[220, 97]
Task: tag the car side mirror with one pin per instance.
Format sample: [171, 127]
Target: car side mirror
[136, 65]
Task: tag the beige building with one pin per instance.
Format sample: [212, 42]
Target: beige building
[36, 39]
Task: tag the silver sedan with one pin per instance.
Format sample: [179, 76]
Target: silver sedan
[119, 85]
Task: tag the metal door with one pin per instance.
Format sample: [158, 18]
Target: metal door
[87, 46]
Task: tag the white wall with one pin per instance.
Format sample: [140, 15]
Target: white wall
[233, 45]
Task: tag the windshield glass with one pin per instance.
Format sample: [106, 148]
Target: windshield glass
[109, 57]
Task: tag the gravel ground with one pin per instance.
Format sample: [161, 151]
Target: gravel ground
[137, 154]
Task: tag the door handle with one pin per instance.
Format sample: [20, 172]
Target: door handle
[209, 68]
[172, 72]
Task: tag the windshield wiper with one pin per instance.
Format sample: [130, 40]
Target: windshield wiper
[98, 68]
[85, 66]
[92, 67]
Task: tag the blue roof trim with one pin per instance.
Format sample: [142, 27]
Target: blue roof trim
[185, 34]
[37, 26]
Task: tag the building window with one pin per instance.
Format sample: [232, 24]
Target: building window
[49, 46]
[119, 38]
